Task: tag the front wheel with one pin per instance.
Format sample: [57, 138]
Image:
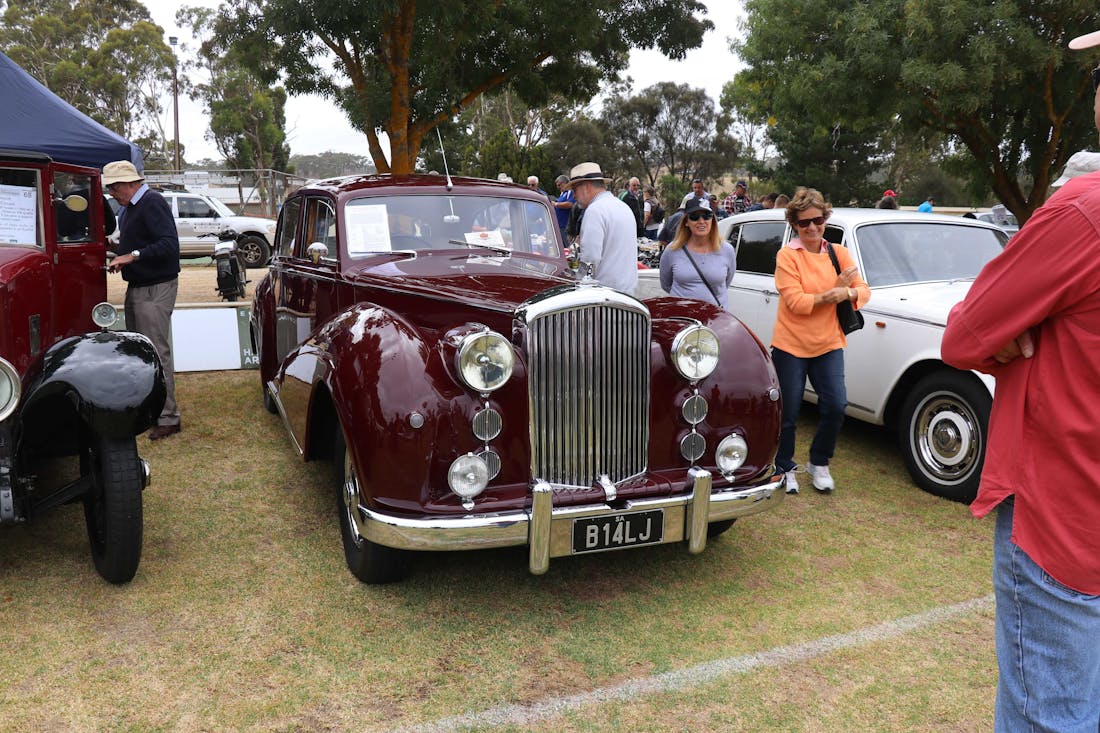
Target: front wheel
[112, 507]
[254, 250]
[370, 562]
[943, 430]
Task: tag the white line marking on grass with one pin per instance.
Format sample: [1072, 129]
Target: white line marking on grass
[700, 674]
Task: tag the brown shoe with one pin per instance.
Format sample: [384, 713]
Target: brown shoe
[163, 431]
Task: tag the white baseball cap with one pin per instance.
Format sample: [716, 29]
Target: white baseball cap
[1078, 164]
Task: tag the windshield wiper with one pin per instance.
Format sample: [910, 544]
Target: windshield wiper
[493, 247]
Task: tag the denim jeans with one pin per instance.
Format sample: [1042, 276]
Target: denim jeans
[1048, 644]
[826, 373]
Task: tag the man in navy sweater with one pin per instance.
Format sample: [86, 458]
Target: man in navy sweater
[149, 258]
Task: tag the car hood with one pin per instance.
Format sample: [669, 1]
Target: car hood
[924, 301]
[484, 281]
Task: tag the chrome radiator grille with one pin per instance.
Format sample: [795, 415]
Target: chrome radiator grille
[588, 370]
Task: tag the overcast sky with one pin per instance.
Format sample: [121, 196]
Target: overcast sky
[315, 125]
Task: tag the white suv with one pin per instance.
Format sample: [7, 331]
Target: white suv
[198, 213]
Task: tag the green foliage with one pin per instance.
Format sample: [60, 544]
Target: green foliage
[104, 57]
[838, 162]
[577, 141]
[247, 117]
[329, 164]
[991, 77]
[667, 127]
[402, 67]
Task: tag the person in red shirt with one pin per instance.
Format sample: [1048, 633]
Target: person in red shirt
[1032, 320]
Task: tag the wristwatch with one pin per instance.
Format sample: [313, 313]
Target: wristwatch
[136, 253]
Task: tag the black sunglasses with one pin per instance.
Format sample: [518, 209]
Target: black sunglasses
[803, 223]
[1095, 79]
[697, 215]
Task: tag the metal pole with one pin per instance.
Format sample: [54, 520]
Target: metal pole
[175, 100]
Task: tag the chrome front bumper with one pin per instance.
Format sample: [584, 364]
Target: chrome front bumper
[547, 529]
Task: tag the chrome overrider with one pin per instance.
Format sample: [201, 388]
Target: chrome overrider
[547, 530]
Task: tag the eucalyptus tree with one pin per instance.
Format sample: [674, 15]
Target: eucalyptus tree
[994, 77]
[402, 67]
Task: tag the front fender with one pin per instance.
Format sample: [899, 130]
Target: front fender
[378, 369]
[113, 380]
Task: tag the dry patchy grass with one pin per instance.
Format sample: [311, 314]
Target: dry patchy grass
[242, 615]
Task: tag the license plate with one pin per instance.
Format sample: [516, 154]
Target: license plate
[594, 534]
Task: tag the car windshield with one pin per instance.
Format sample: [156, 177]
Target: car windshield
[431, 222]
[897, 253]
[219, 207]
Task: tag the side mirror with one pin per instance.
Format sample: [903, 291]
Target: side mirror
[75, 202]
[316, 252]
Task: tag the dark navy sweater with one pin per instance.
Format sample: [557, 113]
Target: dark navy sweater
[148, 226]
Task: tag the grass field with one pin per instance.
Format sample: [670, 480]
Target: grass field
[243, 616]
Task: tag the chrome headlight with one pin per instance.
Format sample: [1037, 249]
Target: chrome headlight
[104, 315]
[468, 476]
[485, 360]
[731, 453]
[695, 352]
[10, 389]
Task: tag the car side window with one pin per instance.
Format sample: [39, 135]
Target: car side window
[834, 235]
[72, 207]
[759, 243]
[288, 226]
[320, 226]
[193, 207]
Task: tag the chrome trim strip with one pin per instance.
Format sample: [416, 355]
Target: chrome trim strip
[537, 526]
[273, 388]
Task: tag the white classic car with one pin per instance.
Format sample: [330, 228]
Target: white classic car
[918, 267]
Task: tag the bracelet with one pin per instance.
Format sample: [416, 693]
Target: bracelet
[851, 294]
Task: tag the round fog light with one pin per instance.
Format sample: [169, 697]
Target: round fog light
[104, 315]
[468, 476]
[731, 453]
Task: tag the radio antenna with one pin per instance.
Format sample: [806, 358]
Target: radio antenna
[442, 152]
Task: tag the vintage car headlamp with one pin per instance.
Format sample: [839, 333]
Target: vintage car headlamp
[485, 360]
[695, 352]
[10, 388]
[468, 476]
[104, 315]
[731, 453]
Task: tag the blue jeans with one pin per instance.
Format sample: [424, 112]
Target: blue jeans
[826, 373]
[1048, 644]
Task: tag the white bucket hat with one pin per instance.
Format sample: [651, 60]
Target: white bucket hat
[120, 171]
[1078, 164]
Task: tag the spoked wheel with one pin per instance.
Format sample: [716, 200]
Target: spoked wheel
[112, 507]
[943, 430]
[254, 251]
[370, 562]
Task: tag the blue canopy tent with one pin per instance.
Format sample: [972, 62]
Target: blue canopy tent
[35, 119]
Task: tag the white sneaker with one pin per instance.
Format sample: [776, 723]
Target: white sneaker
[823, 480]
[792, 482]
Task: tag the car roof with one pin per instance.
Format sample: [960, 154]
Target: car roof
[850, 217]
[383, 184]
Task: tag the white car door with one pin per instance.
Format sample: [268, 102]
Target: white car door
[195, 216]
[752, 294]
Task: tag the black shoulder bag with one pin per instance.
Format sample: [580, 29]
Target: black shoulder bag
[705, 281]
[850, 319]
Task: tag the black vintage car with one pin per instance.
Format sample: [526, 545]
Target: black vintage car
[73, 395]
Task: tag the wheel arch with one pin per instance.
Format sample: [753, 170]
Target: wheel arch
[909, 379]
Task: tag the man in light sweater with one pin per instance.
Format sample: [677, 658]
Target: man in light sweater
[609, 243]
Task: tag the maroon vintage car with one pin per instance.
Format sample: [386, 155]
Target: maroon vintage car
[428, 336]
[71, 402]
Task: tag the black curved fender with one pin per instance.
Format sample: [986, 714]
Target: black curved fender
[113, 379]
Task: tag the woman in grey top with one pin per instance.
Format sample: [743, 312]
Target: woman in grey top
[697, 252]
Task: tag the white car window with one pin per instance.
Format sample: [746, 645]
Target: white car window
[193, 207]
[899, 253]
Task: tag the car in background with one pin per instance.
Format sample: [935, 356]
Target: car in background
[198, 214]
[1001, 217]
[428, 337]
[918, 267]
[73, 395]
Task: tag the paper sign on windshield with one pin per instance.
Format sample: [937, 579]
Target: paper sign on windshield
[493, 238]
[368, 228]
